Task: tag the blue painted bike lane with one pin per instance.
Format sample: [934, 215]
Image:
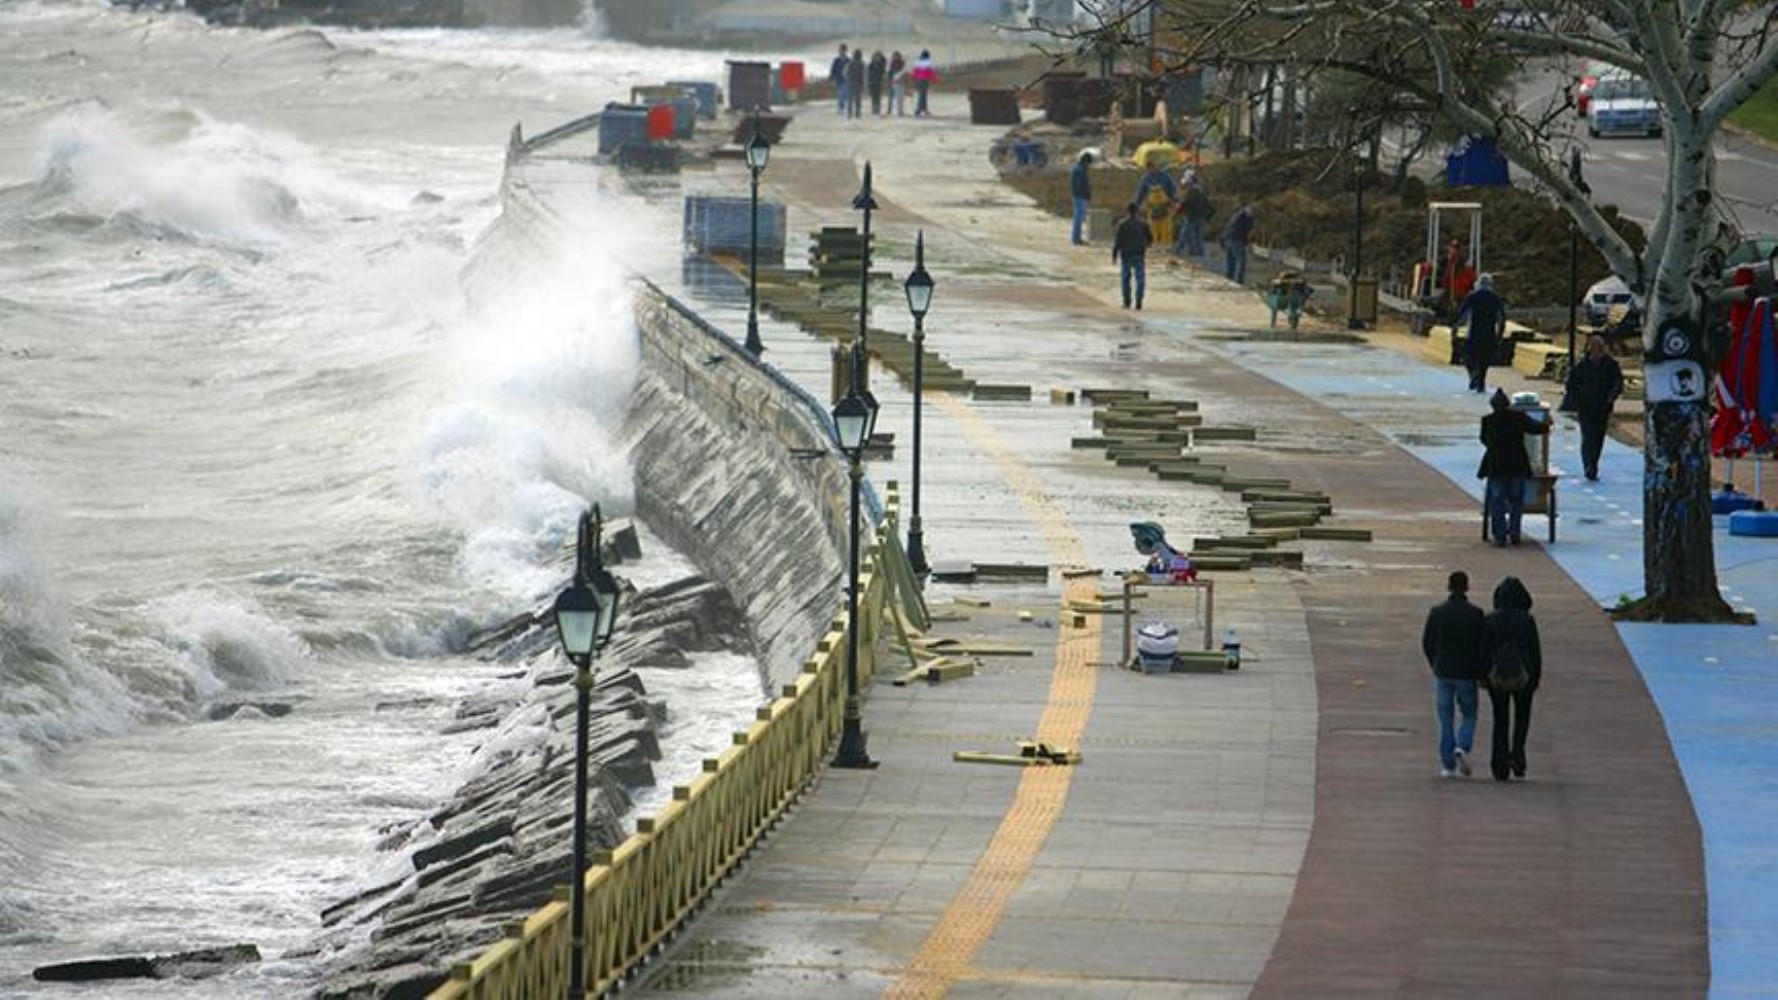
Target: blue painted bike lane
[1716, 686]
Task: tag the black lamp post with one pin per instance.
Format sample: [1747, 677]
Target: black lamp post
[759, 151]
[1580, 182]
[854, 418]
[918, 286]
[1353, 320]
[866, 204]
[585, 615]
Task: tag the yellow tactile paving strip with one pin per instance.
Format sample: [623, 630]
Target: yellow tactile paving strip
[975, 911]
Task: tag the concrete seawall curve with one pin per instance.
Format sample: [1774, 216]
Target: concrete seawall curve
[734, 464]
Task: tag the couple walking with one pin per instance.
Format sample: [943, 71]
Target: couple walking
[1498, 652]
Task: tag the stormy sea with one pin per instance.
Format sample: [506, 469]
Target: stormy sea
[265, 467]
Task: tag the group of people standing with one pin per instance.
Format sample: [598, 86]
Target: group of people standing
[886, 79]
[1163, 212]
[1470, 651]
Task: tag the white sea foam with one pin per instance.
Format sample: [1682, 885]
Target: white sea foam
[540, 376]
[176, 167]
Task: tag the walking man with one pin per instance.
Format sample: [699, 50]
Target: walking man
[837, 73]
[855, 85]
[1594, 384]
[1235, 238]
[1080, 186]
[1194, 211]
[1129, 249]
[1506, 465]
[1487, 328]
[1452, 641]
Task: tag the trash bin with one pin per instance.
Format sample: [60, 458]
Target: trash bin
[1364, 298]
[993, 106]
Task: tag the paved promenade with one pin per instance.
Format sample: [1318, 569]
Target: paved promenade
[1280, 831]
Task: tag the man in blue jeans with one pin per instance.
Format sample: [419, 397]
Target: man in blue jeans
[1506, 465]
[1129, 249]
[1080, 186]
[1235, 237]
[1452, 641]
[837, 74]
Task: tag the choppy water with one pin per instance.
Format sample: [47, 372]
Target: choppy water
[254, 445]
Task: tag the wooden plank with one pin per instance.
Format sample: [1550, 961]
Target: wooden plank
[1334, 533]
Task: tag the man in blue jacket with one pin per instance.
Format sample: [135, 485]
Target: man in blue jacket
[1080, 185]
[1452, 641]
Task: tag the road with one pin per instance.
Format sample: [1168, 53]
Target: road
[1631, 172]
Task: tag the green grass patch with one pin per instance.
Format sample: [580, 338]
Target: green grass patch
[1760, 114]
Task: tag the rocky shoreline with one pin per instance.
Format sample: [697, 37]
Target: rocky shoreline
[494, 851]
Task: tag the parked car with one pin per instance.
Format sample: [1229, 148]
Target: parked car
[1606, 296]
[1589, 78]
[1514, 19]
[1753, 248]
[1622, 105]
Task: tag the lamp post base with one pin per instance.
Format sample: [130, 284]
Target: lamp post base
[852, 754]
[754, 346]
[917, 548]
[1355, 323]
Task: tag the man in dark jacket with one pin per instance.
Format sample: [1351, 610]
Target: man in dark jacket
[837, 74]
[1487, 327]
[1236, 236]
[1594, 384]
[1511, 624]
[855, 85]
[1452, 642]
[1506, 465]
[1129, 249]
[1080, 187]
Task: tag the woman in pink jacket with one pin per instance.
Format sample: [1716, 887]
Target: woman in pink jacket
[924, 77]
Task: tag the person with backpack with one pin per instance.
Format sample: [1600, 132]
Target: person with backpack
[1452, 641]
[1515, 667]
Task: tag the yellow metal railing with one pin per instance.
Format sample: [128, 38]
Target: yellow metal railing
[639, 891]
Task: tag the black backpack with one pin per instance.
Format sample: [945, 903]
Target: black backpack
[1506, 669]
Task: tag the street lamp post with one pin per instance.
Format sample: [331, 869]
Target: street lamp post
[866, 204]
[919, 286]
[759, 151]
[854, 418]
[1353, 320]
[1574, 175]
[585, 614]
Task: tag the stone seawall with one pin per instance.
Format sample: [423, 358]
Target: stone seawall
[733, 468]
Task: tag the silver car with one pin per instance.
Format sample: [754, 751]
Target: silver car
[1622, 105]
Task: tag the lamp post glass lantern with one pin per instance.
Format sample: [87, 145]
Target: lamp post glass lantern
[759, 153]
[854, 417]
[919, 286]
[586, 615]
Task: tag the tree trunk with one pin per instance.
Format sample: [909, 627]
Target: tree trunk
[1678, 553]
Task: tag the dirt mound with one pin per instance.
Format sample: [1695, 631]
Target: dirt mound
[1303, 200]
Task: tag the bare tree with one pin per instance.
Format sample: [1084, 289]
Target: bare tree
[1702, 59]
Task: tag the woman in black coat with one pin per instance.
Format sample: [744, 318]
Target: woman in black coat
[1511, 624]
